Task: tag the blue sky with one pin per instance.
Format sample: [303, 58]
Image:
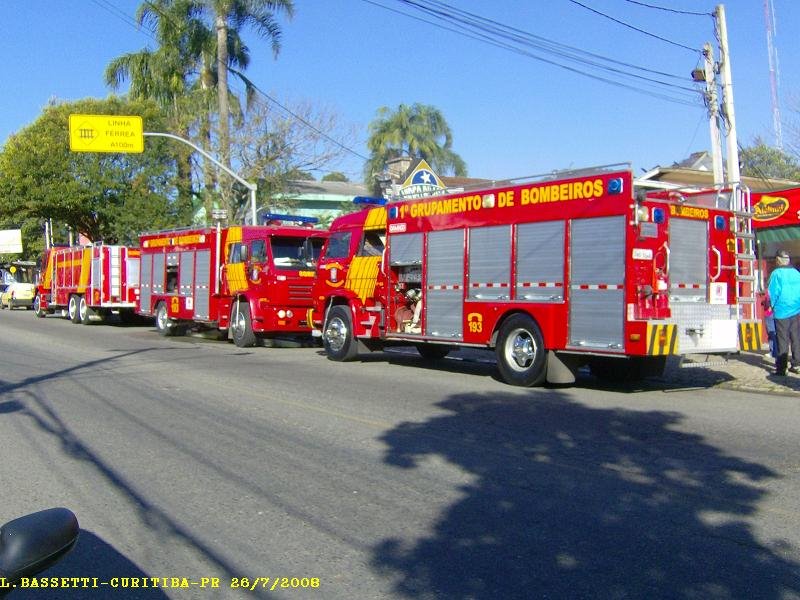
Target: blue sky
[510, 115]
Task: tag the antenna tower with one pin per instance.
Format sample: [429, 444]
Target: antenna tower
[774, 74]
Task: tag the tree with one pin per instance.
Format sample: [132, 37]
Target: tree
[235, 15]
[109, 197]
[165, 74]
[183, 74]
[299, 175]
[763, 161]
[275, 146]
[416, 131]
[336, 176]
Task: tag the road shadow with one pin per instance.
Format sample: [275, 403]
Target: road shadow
[46, 418]
[110, 574]
[565, 501]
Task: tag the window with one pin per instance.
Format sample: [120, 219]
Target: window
[313, 250]
[237, 253]
[258, 251]
[288, 252]
[373, 244]
[339, 245]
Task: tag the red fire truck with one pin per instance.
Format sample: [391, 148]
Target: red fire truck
[553, 273]
[88, 283]
[249, 281]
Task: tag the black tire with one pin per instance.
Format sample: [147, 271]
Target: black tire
[73, 309]
[164, 326]
[337, 335]
[521, 355]
[242, 326]
[433, 352]
[84, 311]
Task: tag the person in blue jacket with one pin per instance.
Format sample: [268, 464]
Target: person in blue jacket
[784, 294]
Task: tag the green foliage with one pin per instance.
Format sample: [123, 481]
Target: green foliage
[299, 175]
[199, 44]
[336, 176]
[109, 197]
[418, 131]
[763, 161]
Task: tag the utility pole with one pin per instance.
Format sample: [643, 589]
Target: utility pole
[727, 96]
[708, 74]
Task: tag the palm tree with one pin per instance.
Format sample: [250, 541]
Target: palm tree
[165, 74]
[416, 131]
[233, 16]
[183, 73]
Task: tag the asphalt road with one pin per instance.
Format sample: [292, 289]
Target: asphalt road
[387, 477]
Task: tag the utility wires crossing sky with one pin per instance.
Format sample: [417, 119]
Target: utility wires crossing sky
[659, 84]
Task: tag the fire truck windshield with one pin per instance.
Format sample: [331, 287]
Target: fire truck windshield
[290, 253]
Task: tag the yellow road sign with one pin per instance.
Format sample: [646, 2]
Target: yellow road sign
[106, 133]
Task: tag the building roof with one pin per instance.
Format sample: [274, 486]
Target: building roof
[677, 177]
[335, 191]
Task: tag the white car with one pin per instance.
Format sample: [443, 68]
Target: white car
[18, 294]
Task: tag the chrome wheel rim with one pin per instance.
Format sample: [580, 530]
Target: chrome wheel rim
[238, 324]
[161, 318]
[336, 334]
[521, 349]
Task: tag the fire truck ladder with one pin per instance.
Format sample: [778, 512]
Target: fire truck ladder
[115, 272]
[745, 269]
[745, 253]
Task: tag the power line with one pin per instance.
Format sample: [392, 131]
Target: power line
[123, 16]
[302, 120]
[508, 38]
[132, 22]
[629, 26]
[527, 38]
[500, 35]
[672, 10]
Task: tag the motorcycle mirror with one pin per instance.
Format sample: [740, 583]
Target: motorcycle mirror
[30, 544]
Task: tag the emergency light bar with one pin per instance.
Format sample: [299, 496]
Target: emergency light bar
[368, 200]
[270, 217]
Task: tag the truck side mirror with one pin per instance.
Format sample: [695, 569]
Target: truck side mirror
[30, 544]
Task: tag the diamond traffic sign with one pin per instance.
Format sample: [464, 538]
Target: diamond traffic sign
[106, 133]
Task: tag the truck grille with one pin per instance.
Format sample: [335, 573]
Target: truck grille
[300, 292]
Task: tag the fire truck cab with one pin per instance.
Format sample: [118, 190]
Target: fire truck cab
[249, 281]
[554, 274]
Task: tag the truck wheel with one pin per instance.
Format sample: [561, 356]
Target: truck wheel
[433, 351]
[337, 335]
[84, 311]
[73, 309]
[242, 326]
[163, 321]
[521, 356]
[37, 308]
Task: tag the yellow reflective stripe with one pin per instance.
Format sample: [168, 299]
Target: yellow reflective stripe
[48, 272]
[750, 336]
[237, 280]
[234, 236]
[363, 275]
[86, 269]
[376, 219]
[662, 340]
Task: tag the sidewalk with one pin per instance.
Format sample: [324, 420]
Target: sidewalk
[745, 371]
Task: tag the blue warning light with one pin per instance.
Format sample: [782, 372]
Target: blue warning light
[615, 186]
